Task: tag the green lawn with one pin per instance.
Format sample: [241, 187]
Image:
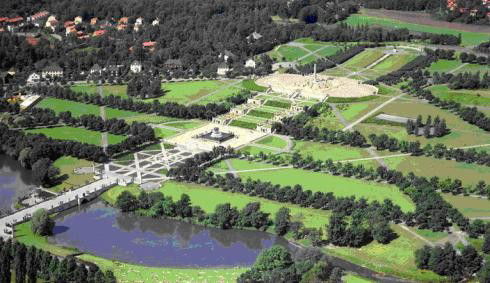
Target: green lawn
[479, 97]
[364, 59]
[324, 151]
[444, 66]
[288, 53]
[164, 133]
[77, 134]
[187, 124]
[67, 165]
[468, 38]
[77, 109]
[354, 278]
[184, 92]
[273, 141]
[392, 63]
[243, 124]
[338, 185]
[116, 90]
[260, 114]
[149, 119]
[396, 258]
[129, 273]
[219, 96]
[254, 150]
[251, 85]
[469, 206]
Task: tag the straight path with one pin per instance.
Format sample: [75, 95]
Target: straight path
[275, 149]
[231, 169]
[337, 114]
[404, 227]
[370, 65]
[162, 126]
[104, 135]
[226, 86]
[457, 68]
[372, 112]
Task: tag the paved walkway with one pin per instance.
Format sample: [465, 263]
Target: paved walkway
[54, 203]
[370, 113]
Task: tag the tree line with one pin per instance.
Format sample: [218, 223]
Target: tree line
[483, 47]
[169, 109]
[464, 80]
[429, 129]
[277, 264]
[30, 264]
[155, 204]
[473, 59]
[432, 211]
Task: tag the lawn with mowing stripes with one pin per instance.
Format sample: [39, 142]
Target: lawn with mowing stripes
[77, 109]
[261, 114]
[77, 134]
[363, 59]
[273, 141]
[468, 38]
[243, 124]
[393, 63]
[338, 185]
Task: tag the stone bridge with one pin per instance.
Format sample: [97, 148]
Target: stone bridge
[61, 202]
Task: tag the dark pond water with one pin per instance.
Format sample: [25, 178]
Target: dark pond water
[103, 231]
[15, 181]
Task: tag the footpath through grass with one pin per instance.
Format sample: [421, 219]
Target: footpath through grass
[468, 38]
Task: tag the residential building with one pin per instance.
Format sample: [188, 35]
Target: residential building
[136, 67]
[173, 64]
[33, 78]
[227, 55]
[250, 63]
[223, 69]
[99, 32]
[254, 36]
[93, 21]
[96, 70]
[52, 72]
[78, 20]
[113, 70]
[155, 22]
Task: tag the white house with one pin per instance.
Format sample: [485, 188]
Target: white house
[33, 78]
[139, 21]
[52, 71]
[136, 67]
[96, 69]
[223, 69]
[155, 22]
[78, 20]
[250, 63]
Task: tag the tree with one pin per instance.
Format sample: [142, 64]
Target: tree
[486, 242]
[277, 257]
[383, 233]
[127, 202]
[43, 172]
[471, 260]
[484, 274]
[282, 221]
[41, 223]
[224, 216]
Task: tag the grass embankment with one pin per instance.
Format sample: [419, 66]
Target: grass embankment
[468, 38]
[208, 198]
[126, 272]
[77, 134]
[338, 185]
[251, 85]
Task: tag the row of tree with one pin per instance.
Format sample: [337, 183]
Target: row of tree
[436, 128]
[473, 59]
[30, 264]
[464, 80]
[168, 109]
[277, 264]
[348, 169]
[447, 261]
[432, 211]
[483, 47]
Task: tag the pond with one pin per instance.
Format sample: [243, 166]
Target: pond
[104, 231]
[15, 181]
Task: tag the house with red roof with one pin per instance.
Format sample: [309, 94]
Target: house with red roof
[99, 32]
[32, 41]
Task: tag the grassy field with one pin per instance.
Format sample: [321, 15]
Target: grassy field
[260, 114]
[116, 90]
[324, 151]
[67, 165]
[164, 133]
[287, 53]
[273, 141]
[150, 119]
[243, 124]
[363, 59]
[396, 258]
[462, 133]
[254, 150]
[339, 186]
[468, 38]
[469, 206]
[187, 124]
[354, 278]
[390, 64]
[444, 66]
[251, 85]
[60, 105]
[77, 134]
[78, 109]
[479, 97]
[219, 96]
